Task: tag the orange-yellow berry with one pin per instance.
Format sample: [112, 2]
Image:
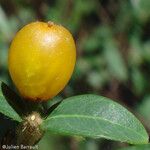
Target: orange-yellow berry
[41, 60]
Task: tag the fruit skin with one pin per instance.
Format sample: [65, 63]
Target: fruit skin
[41, 60]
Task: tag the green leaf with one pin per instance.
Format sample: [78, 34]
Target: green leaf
[96, 117]
[138, 81]
[139, 147]
[5, 29]
[141, 9]
[143, 108]
[115, 62]
[6, 109]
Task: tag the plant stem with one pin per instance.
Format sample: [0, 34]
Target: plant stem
[29, 132]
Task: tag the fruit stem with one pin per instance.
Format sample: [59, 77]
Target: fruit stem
[50, 23]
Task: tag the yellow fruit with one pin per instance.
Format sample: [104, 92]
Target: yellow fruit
[41, 60]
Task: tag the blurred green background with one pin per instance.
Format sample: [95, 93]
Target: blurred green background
[113, 55]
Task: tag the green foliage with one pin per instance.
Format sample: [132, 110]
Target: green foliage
[140, 147]
[141, 9]
[113, 54]
[96, 117]
[86, 115]
[6, 109]
[114, 61]
[144, 108]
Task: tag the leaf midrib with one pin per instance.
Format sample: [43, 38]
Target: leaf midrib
[90, 117]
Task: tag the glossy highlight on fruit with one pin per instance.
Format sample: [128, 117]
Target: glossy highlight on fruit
[41, 60]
